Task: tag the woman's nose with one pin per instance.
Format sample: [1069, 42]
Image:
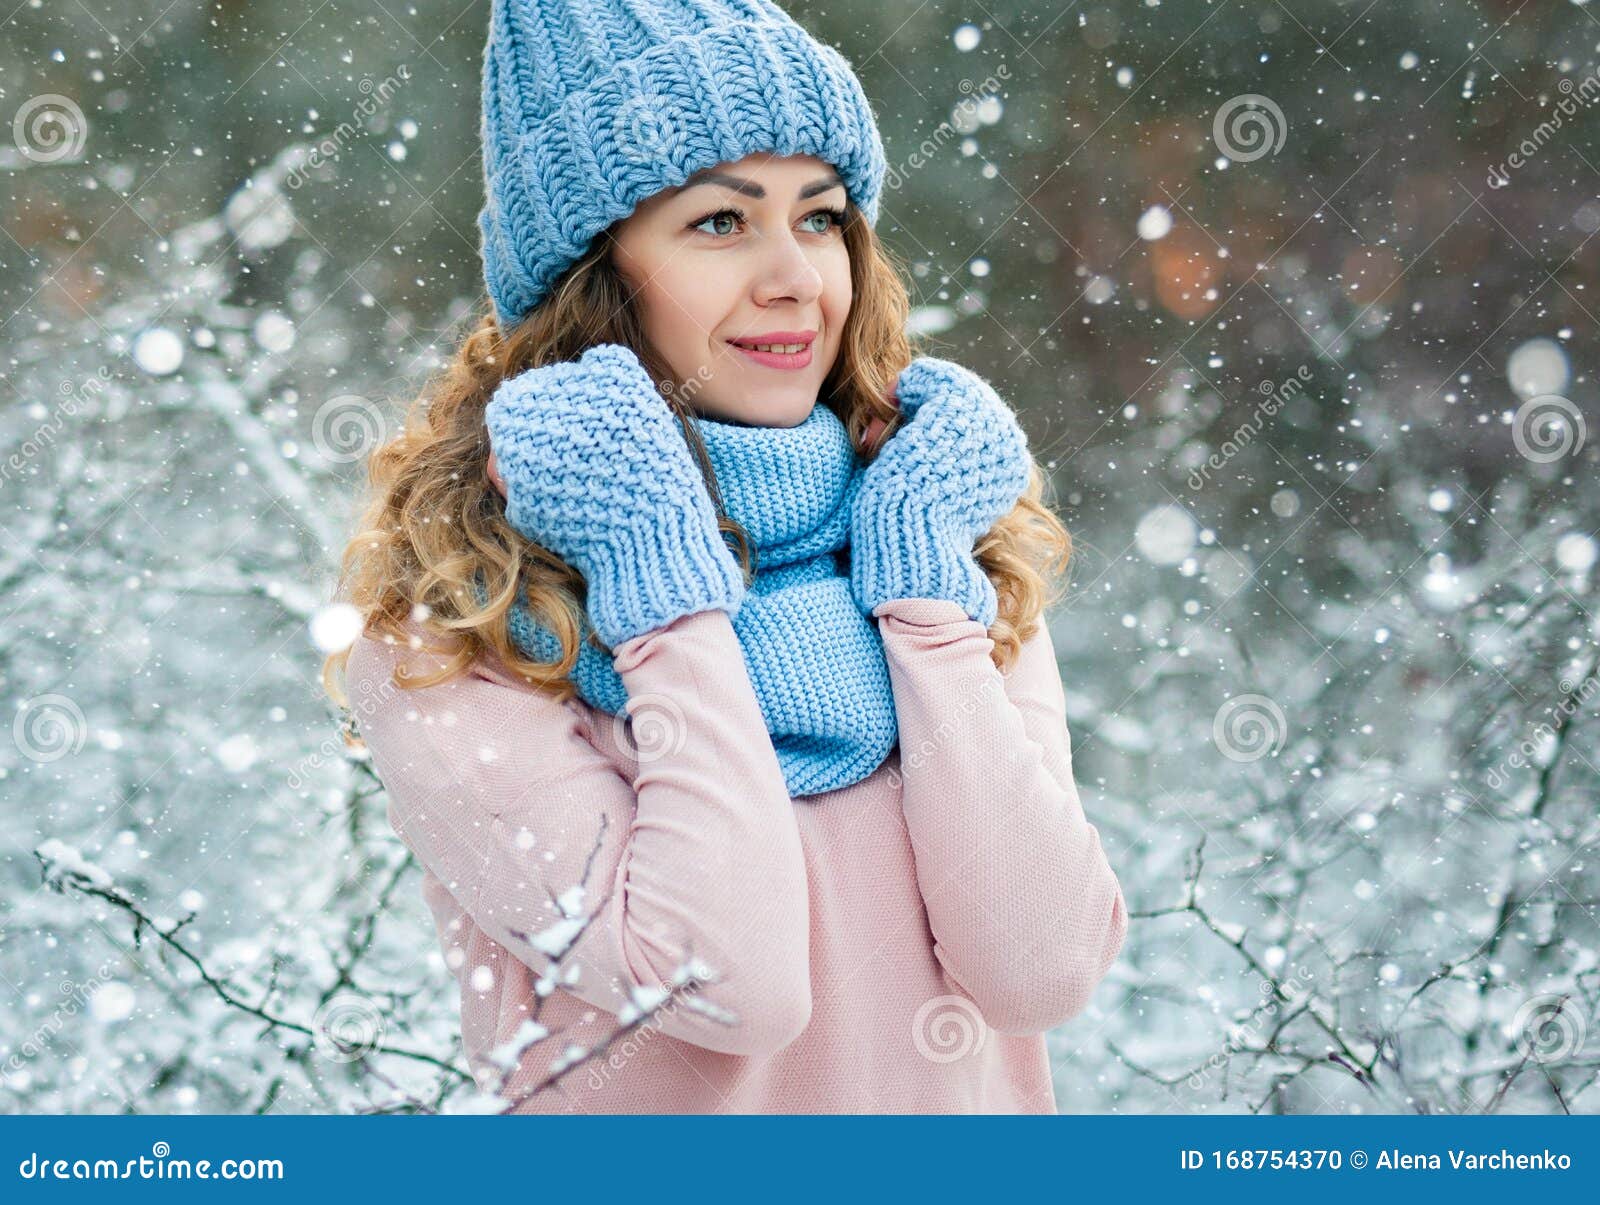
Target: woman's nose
[787, 272]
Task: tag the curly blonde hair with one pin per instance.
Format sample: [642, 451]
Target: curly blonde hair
[434, 523]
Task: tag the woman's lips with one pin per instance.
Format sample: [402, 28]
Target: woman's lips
[788, 361]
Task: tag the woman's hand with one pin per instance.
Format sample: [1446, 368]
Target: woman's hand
[945, 478]
[594, 467]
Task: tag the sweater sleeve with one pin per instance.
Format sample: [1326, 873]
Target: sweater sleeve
[501, 791]
[1026, 912]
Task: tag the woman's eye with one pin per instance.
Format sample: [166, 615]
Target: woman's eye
[726, 221]
[727, 215]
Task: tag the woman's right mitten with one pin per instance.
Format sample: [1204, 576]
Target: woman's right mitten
[596, 470]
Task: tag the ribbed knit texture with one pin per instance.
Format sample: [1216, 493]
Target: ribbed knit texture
[591, 106]
[900, 946]
[958, 465]
[596, 470]
[814, 658]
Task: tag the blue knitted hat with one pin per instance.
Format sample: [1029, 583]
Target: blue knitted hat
[591, 106]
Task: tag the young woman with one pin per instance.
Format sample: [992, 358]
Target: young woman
[704, 662]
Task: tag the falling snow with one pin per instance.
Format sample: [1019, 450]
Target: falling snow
[1298, 312]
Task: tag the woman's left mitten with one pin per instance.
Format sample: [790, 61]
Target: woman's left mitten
[957, 466]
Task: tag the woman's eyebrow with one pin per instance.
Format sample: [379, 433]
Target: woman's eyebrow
[750, 188]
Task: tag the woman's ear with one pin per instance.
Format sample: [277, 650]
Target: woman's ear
[494, 474]
[876, 426]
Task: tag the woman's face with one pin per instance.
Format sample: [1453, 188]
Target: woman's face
[743, 253]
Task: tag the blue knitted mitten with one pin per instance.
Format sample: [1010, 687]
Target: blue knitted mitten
[944, 478]
[596, 470]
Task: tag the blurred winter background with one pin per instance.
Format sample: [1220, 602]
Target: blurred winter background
[1297, 298]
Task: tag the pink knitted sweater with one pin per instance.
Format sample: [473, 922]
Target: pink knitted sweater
[899, 945]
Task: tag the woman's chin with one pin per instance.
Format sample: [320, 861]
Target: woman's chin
[789, 408]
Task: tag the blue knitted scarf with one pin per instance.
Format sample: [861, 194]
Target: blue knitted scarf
[815, 660]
